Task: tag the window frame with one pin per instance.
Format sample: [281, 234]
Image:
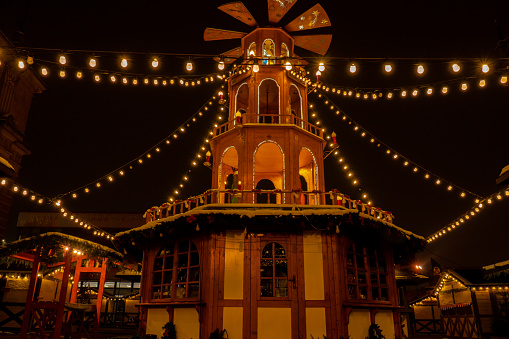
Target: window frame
[371, 276]
[159, 275]
[273, 278]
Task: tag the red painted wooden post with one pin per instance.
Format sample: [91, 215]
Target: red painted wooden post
[27, 315]
[74, 291]
[100, 297]
[63, 294]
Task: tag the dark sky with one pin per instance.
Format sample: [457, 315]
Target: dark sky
[79, 130]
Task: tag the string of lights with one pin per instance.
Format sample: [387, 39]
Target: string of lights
[396, 156]
[57, 203]
[347, 169]
[443, 87]
[139, 160]
[473, 211]
[199, 155]
[46, 68]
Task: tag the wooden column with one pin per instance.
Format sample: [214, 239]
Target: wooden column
[100, 297]
[74, 291]
[63, 293]
[30, 294]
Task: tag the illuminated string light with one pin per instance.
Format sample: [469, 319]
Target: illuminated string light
[437, 179]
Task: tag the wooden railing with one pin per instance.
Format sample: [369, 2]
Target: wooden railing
[276, 119]
[271, 197]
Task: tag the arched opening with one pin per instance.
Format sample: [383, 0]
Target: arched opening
[309, 173]
[295, 104]
[268, 101]
[242, 98]
[251, 51]
[228, 170]
[265, 198]
[268, 164]
[285, 52]
[268, 52]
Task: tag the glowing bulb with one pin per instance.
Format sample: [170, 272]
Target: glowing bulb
[62, 60]
[21, 64]
[44, 71]
[79, 75]
[429, 91]
[388, 68]
[420, 69]
[189, 66]
[482, 83]
[92, 62]
[97, 78]
[503, 79]
[155, 62]
[220, 65]
[444, 90]
[321, 67]
[353, 68]
[456, 68]
[485, 68]
[123, 63]
[464, 86]
[62, 74]
[288, 66]
[256, 68]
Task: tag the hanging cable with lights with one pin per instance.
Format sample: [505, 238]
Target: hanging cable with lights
[122, 170]
[473, 211]
[57, 203]
[428, 175]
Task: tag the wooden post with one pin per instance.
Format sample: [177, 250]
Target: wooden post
[63, 293]
[27, 314]
[100, 297]
[76, 281]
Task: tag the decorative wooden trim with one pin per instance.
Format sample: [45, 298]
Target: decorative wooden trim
[372, 315]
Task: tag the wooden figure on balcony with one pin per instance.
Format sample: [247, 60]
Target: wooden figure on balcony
[266, 252]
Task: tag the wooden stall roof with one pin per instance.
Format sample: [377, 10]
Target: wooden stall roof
[22, 249]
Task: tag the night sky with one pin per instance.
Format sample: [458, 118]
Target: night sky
[79, 130]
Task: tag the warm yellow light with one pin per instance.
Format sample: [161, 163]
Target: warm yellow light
[97, 78]
[420, 69]
[62, 60]
[288, 66]
[389, 95]
[124, 80]
[429, 91]
[403, 93]
[482, 83]
[503, 79]
[321, 67]
[464, 86]
[113, 78]
[353, 68]
[444, 89]
[388, 68]
[415, 92]
[44, 71]
[189, 66]
[485, 68]
[92, 62]
[21, 64]
[155, 63]
[220, 65]
[135, 81]
[62, 73]
[79, 74]
[455, 68]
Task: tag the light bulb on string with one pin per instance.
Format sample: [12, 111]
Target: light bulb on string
[485, 68]
[155, 63]
[21, 64]
[388, 68]
[92, 62]
[456, 68]
[44, 71]
[220, 64]
[123, 62]
[420, 69]
[189, 66]
[321, 67]
[62, 59]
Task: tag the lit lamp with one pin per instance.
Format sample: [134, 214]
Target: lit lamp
[239, 185]
[220, 95]
[334, 138]
[318, 73]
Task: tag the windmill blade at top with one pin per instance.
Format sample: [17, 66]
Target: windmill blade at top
[315, 17]
[211, 34]
[278, 9]
[315, 43]
[239, 12]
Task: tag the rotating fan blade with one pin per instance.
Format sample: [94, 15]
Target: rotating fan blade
[315, 17]
[231, 55]
[278, 9]
[211, 34]
[239, 12]
[314, 43]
